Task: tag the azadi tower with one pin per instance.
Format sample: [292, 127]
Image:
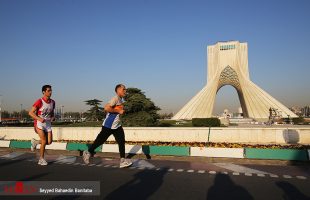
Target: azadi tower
[228, 65]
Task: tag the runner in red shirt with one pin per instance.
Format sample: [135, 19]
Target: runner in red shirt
[42, 112]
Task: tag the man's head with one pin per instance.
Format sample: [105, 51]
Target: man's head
[120, 90]
[47, 90]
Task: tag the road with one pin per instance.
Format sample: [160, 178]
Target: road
[167, 178]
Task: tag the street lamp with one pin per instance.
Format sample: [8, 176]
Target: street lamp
[21, 109]
[0, 108]
[62, 113]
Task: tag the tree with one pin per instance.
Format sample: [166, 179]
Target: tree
[95, 113]
[24, 115]
[166, 116]
[139, 110]
[5, 114]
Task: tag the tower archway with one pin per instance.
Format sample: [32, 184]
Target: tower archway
[228, 65]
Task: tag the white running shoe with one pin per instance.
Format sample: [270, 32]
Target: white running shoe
[42, 161]
[86, 156]
[125, 163]
[33, 144]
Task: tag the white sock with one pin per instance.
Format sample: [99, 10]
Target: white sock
[36, 142]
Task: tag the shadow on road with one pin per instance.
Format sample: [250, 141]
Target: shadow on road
[290, 191]
[142, 186]
[225, 188]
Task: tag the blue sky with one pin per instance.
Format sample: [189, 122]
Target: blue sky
[84, 48]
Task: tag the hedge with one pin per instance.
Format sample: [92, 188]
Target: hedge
[206, 122]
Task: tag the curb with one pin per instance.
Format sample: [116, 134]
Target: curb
[249, 153]
[277, 154]
[4, 143]
[20, 144]
[113, 148]
[217, 152]
[166, 150]
[55, 146]
[80, 147]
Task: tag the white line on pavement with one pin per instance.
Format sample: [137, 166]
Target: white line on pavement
[274, 176]
[65, 159]
[12, 155]
[239, 168]
[301, 177]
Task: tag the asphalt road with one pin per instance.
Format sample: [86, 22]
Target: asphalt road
[161, 179]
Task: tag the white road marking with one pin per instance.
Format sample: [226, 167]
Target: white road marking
[190, 171]
[236, 173]
[274, 176]
[141, 168]
[12, 155]
[239, 168]
[301, 177]
[287, 176]
[261, 175]
[142, 163]
[170, 170]
[201, 171]
[248, 174]
[65, 159]
[212, 172]
[180, 170]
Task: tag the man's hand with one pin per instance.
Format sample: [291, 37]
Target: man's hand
[121, 112]
[110, 109]
[34, 116]
[41, 120]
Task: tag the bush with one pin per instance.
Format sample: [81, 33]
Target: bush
[299, 120]
[164, 124]
[139, 119]
[206, 122]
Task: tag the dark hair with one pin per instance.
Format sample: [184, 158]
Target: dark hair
[118, 86]
[44, 87]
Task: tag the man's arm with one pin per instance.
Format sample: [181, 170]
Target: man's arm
[53, 116]
[110, 109]
[32, 114]
[53, 112]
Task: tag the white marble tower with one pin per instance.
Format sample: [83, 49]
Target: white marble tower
[228, 65]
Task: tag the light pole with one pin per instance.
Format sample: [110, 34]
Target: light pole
[0, 108]
[21, 109]
[62, 113]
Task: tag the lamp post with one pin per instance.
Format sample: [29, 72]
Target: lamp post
[0, 108]
[21, 109]
[62, 113]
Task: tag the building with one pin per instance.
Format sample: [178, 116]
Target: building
[228, 65]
